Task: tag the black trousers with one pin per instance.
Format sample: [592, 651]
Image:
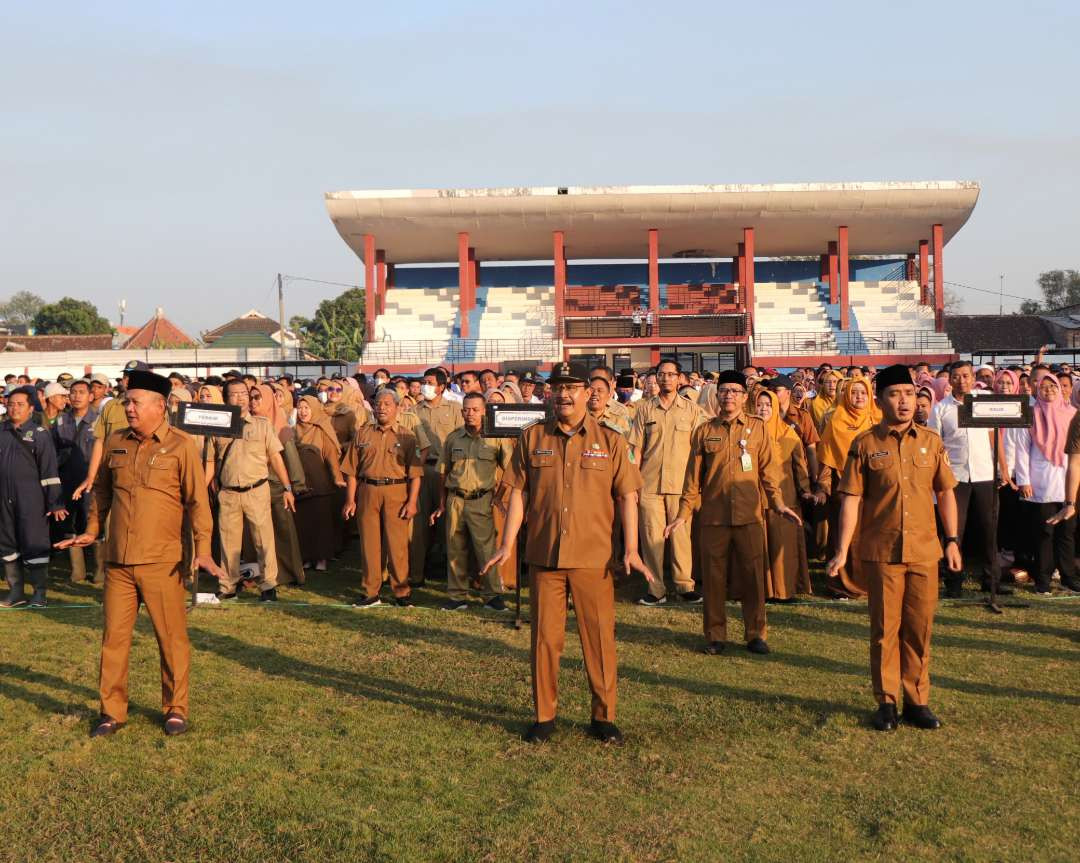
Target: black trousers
[977, 501]
[1055, 544]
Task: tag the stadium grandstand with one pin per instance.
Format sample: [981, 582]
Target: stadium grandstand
[780, 275]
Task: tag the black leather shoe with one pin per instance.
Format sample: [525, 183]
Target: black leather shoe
[920, 716]
[268, 595]
[496, 603]
[691, 597]
[605, 732]
[757, 645]
[174, 724]
[105, 726]
[403, 601]
[885, 718]
[454, 605]
[714, 648]
[223, 596]
[539, 732]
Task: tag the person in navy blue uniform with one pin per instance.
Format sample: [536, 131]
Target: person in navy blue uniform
[29, 493]
[73, 437]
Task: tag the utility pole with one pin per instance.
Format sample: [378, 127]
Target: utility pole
[281, 317]
[1001, 294]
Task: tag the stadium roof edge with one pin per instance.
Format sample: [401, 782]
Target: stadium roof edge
[609, 222]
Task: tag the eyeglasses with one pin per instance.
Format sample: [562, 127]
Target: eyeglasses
[333, 389]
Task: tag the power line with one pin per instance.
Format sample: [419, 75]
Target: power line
[985, 291]
[317, 281]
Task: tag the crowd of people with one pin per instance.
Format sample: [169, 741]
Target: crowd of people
[289, 498]
[724, 484]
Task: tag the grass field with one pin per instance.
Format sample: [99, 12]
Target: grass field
[323, 733]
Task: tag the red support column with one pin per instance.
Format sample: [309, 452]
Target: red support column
[380, 281]
[654, 274]
[937, 237]
[654, 356]
[740, 269]
[558, 257]
[834, 275]
[842, 263]
[924, 272]
[463, 282]
[370, 307]
[748, 264]
[472, 278]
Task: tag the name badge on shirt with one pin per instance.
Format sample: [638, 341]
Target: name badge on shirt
[746, 461]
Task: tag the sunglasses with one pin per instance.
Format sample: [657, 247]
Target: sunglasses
[333, 389]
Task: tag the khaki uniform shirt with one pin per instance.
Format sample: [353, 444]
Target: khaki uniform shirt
[249, 456]
[617, 422]
[147, 486]
[383, 452]
[111, 418]
[470, 461]
[717, 487]
[800, 419]
[438, 422]
[571, 482]
[896, 474]
[410, 422]
[661, 440]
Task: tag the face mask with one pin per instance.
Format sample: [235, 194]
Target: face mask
[380, 382]
[427, 391]
[323, 396]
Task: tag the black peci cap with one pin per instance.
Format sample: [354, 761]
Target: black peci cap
[140, 380]
[892, 376]
[568, 373]
[730, 376]
[136, 365]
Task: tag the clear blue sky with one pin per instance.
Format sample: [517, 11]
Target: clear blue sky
[178, 157]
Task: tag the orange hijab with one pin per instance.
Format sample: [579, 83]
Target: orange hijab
[319, 424]
[845, 423]
[775, 426]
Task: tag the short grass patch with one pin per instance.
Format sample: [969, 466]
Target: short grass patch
[319, 732]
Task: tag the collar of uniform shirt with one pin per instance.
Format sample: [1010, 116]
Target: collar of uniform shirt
[578, 429]
[157, 433]
[910, 430]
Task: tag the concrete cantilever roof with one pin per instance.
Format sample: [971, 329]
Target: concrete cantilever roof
[421, 225]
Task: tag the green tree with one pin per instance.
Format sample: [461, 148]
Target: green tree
[337, 329]
[70, 317]
[21, 308]
[1059, 288]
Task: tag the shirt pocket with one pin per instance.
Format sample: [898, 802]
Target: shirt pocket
[881, 463]
[540, 460]
[923, 460]
[592, 463]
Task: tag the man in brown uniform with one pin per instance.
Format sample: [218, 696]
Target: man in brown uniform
[893, 472]
[438, 417]
[152, 478]
[467, 469]
[732, 464]
[242, 467]
[572, 470]
[660, 440]
[385, 462]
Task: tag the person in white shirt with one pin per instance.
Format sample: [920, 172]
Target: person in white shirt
[649, 321]
[971, 456]
[1040, 476]
[635, 323]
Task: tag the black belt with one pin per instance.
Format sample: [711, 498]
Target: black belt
[469, 495]
[244, 487]
[432, 460]
[373, 481]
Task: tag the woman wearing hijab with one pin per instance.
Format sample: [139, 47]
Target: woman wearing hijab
[707, 399]
[1040, 476]
[788, 572]
[286, 541]
[1014, 542]
[320, 455]
[210, 395]
[344, 419]
[853, 414]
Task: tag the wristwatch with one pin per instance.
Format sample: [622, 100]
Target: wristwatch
[949, 539]
[288, 488]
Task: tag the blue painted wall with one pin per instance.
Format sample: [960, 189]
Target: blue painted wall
[514, 275]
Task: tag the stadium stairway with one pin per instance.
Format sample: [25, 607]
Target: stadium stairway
[414, 314]
[795, 313]
[887, 316]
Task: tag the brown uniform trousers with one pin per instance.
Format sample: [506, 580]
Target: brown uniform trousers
[470, 464]
[437, 422]
[377, 454]
[571, 483]
[661, 440]
[727, 499]
[244, 463]
[147, 488]
[896, 475]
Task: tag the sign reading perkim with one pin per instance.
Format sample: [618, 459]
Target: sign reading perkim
[509, 420]
[210, 420]
[994, 411]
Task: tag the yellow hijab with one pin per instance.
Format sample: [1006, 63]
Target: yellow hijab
[215, 394]
[821, 403]
[845, 423]
[775, 426]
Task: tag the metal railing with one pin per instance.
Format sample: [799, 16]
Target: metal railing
[457, 350]
[851, 342]
[664, 326]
